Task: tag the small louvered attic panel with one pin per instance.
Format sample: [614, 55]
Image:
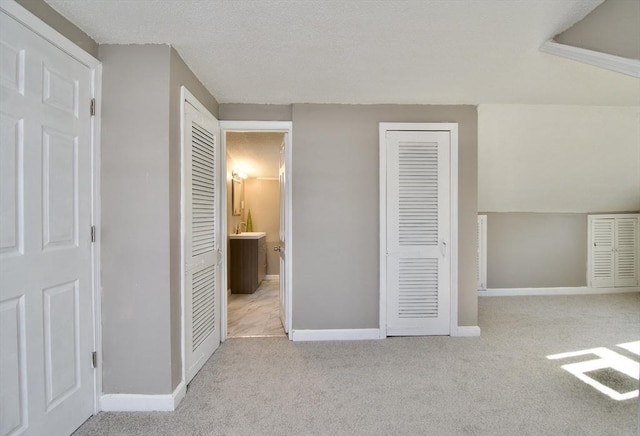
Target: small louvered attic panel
[203, 305]
[203, 190]
[613, 251]
[417, 193]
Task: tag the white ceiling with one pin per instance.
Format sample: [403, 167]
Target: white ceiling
[257, 154]
[355, 51]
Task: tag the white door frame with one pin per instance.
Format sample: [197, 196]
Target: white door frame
[482, 252]
[259, 126]
[452, 128]
[46, 32]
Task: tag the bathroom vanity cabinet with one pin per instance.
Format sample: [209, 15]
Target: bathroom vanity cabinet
[248, 255]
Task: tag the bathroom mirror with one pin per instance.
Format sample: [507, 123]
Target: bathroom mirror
[236, 190]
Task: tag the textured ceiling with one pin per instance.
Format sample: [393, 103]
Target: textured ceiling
[356, 51]
[257, 154]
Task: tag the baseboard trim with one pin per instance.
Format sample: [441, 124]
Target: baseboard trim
[142, 403]
[583, 290]
[272, 277]
[336, 335]
[466, 331]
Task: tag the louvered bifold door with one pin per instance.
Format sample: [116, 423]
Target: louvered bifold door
[418, 254]
[602, 252]
[626, 252]
[201, 239]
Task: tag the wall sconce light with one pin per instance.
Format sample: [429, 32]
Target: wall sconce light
[236, 175]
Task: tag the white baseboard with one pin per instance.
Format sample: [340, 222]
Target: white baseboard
[336, 335]
[582, 290]
[272, 277]
[142, 403]
[466, 331]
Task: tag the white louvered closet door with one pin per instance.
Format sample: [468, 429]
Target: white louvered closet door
[418, 215]
[201, 238]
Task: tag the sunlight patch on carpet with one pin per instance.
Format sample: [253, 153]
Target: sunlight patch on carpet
[611, 373]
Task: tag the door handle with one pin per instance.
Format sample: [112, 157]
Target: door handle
[443, 248]
[277, 248]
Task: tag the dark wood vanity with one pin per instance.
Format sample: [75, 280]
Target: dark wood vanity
[248, 263]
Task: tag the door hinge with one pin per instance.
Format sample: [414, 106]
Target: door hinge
[93, 233]
[92, 107]
[94, 359]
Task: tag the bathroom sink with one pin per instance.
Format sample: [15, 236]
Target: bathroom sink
[248, 235]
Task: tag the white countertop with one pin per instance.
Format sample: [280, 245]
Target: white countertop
[248, 235]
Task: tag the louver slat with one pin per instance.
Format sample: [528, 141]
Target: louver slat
[202, 191]
[203, 298]
[418, 194]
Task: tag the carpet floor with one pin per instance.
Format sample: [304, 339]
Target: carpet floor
[500, 383]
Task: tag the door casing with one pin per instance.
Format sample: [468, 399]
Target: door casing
[258, 126]
[453, 129]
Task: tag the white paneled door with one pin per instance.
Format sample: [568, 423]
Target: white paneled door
[201, 239]
[418, 232]
[46, 315]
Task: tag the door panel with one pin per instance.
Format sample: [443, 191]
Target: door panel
[201, 238]
[602, 260]
[46, 339]
[626, 252]
[418, 264]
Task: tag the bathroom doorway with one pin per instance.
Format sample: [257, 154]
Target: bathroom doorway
[257, 301]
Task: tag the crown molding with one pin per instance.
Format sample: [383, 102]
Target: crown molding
[630, 67]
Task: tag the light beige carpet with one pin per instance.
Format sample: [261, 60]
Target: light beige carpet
[498, 384]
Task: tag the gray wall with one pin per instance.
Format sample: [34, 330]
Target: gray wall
[536, 250]
[50, 16]
[336, 210]
[336, 207]
[179, 75]
[613, 27]
[255, 112]
[141, 167]
[135, 220]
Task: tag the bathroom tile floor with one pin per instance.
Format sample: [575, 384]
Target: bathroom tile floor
[256, 314]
